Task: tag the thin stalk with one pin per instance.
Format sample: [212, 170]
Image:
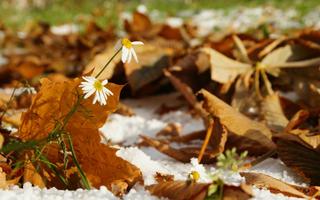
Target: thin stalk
[74, 158]
[206, 140]
[267, 82]
[105, 66]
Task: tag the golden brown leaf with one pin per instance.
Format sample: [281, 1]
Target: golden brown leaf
[31, 175]
[237, 123]
[180, 190]
[299, 156]
[274, 185]
[52, 103]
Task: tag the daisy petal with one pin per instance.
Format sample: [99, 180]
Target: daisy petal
[137, 43]
[134, 55]
[90, 92]
[130, 55]
[125, 52]
[104, 82]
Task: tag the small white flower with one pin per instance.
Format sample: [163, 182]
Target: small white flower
[198, 172]
[92, 85]
[128, 50]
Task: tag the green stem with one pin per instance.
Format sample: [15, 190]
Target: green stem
[105, 66]
[74, 158]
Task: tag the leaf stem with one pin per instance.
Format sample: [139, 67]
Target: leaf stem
[74, 158]
[105, 66]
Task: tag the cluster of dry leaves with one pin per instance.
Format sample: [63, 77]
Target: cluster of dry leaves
[257, 94]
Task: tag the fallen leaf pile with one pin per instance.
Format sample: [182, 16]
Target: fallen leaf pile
[257, 94]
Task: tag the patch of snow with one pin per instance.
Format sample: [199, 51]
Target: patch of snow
[142, 8]
[138, 192]
[148, 167]
[127, 129]
[35, 193]
[175, 22]
[64, 29]
[275, 168]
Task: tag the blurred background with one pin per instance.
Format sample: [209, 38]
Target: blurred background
[18, 13]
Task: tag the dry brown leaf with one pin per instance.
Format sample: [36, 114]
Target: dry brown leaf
[153, 58]
[31, 175]
[243, 192]
[170, 33]
[140, 23]
[182, 154]
[52, 103]
[235, 122]
[223, 69]
[276, 57]
[180, 190]
[272, 111]
[4, 183]
[163, 177]
[299, 127]
[299, 156]
[188, 94]
[274, 185]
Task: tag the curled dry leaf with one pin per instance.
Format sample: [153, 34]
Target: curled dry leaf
[188, 94]
[4, 183]
[276, 186]
[182, 154]
[153, 58]
[31, 175]
[180, 190]
[299, 156]
[223, 69]
[300, 127]
[52, 103]
[235, 122]
[272, 111]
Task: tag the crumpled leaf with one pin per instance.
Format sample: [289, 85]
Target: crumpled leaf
[4, 183]
[52, 103]
[299, 156]
[153, 58]
[274, 185]
[140, 23]
[180, 190]
[31, 175]
[224, 69]
[300, 127]
[181, 154]
[276, 57]
[235, 122]
[272, 111]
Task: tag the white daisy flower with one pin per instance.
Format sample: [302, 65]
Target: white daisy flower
[198, 173]
[128, 50]
[92, 85]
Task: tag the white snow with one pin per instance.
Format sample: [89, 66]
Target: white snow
[34, 193]
[126, 130]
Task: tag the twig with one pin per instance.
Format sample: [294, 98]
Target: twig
[206, 140]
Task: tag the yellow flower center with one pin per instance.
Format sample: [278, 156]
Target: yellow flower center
[194, 175]
[126, 42]
[98, 85]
